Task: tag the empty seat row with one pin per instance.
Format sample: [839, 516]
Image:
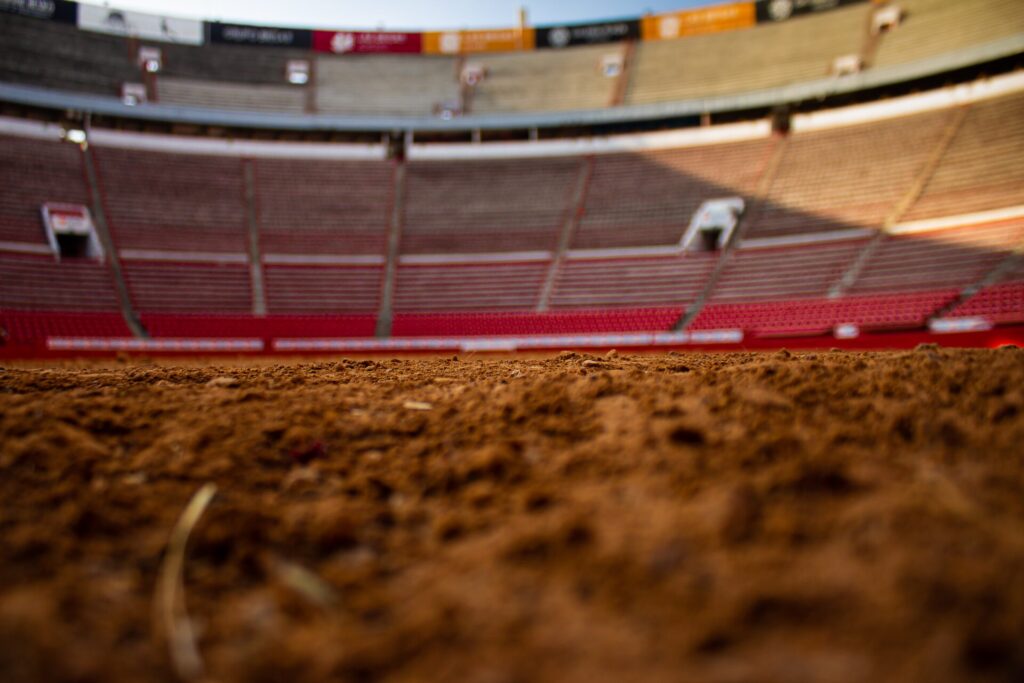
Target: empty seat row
[933, 27]
[52, 55]
[510, 324]
[269, 326]
[231, 95]
[175, 202]
[776, 273]
[640, 281]
[648, 198]
[550, 80]
[819, 316]
[487, 205]
[847, 177]
[226, 63]
[938, 259]
[981, 168]
[469, 287]
[33, 172]
[41, 283]
[772, 55]
[404, 85]
[31, 328]
[161, 286]
[323, 289]
[1002, 303]
[323, 207]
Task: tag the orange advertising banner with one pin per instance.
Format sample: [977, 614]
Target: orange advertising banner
[487, 40]
[696, 21]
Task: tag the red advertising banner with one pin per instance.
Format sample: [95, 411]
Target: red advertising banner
[362, 42]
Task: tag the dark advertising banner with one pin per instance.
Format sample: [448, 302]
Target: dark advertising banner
[54, 10]
[363, 42]
[264, 36]
[587, 34]
[780, 10]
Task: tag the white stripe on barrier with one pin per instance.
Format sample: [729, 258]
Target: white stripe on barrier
[806, 238]
[488, 345]
[324, 259]
[31, 129]
[26, 248]
[183, 256]
[182, 144]
[716, 337]
[628, 142]
[846, 331]
[484, 257]
[952, 325]
[534, 342]
[131, 344]
[624, 252]
[932, 100]
[959, 221]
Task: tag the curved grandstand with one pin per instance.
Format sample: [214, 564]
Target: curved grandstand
[282, 189]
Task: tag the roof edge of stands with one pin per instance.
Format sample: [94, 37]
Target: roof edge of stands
[931, 100]
[819, 88]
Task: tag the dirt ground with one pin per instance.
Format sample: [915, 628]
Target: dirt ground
[696, 517]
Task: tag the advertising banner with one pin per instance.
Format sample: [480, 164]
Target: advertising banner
[780, 10]
[697, 21]
[470, 42]
[136, 24]
[264, 36]
[361, 42]
[54, 10]
[587, 34]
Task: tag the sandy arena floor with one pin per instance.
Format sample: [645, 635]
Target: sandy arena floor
[810, 517]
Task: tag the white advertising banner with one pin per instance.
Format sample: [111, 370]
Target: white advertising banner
[121, 22]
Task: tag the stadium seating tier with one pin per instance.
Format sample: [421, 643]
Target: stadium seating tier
[172, 202]
[31, 282]
[487, 205]
[323, 207]
[33, 172]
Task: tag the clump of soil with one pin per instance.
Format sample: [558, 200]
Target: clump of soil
[743, 517]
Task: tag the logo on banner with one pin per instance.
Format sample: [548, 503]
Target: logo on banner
[118, 23]
[42, 9]
[256, 35]
[343, 42]
[780, 10]
[668, 27]
[450, 42]
[36, 8]
[559, 37]
[73, 223]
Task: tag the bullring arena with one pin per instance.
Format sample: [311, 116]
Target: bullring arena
[684, 347]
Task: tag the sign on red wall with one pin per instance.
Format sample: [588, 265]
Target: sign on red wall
[358, 42]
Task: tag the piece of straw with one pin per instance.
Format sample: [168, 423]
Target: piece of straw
[170, 593]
